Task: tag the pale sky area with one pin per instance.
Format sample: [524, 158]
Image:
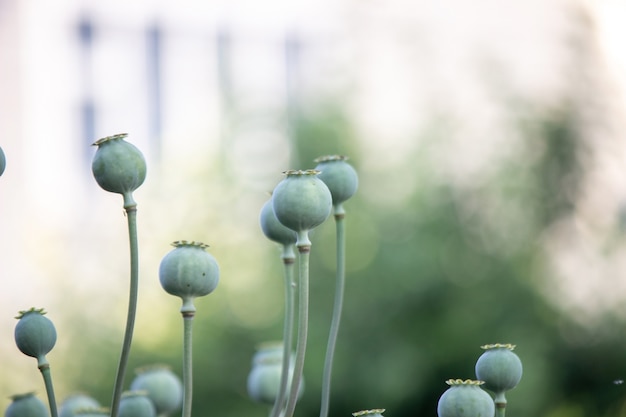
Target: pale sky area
[394, 64]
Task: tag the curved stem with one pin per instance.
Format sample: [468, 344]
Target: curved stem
[187, 364]
[131, 215]
[288, 257]
[337, 307]
[47, 379]
[304, 247]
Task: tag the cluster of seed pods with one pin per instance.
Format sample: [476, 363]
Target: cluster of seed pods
[498, 370]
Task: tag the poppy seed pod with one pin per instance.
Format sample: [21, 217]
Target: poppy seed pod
[301, 201]
[189, 271]
[136, 404]
[376, 412]
[499, 367]
[264, 378]
[163, 386]
[92, 412]
[35, 334]
[76, 402]
[26, 405]
[273, 229]
[118, 166]
[3, 161]
[339, 176]
[465, 398]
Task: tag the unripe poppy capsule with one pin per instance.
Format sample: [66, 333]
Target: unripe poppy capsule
[499, 367]
[163, 387]
[3, 161]
[26, 405]
[301, 201]
[35, 334]
[76, 402]
[189, 271]
[136, 404]
[465, 398]
[340, 177]
[273, 229]
[118, 166]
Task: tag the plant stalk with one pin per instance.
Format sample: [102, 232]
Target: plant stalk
[187, 363]
[304, 247]
[47, 379]
[131, 215]
[337, 308]
[288, 258]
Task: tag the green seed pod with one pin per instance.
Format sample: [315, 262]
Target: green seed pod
[189, 271]
[76, 402]
[273, 229]
[26, 405]
[377, 412]
[92, 412]
[35, 334]
[340, 177]
[118, 166]
[163, 386]
[302, 201]
[465, 399]
[136, 404]
[3, 161]
[264, 377]
[499, 367]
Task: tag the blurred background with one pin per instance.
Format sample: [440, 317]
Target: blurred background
[488, 137]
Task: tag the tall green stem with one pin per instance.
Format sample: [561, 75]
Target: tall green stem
[47, 379]
[187, 364]
[337, 308]
[288, 258]
[131, 215]
[304, 248]
[500, 403]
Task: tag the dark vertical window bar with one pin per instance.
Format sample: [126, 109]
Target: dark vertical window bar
[87, 105]
[225, 86]
[292, 58]
[154, 35]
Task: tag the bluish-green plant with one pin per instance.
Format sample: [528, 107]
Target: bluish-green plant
[286, 238]
[119, 167]
[501, 369]
[162, 386]
[26, 405]
[3, 161]
[188, 271]
[35, 336]
[75, 402]
[465, 398]
[342, 182]
[301, 202]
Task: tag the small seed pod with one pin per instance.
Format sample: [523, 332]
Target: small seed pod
[35, 334]
[376, 412]
[465, 398]
[264, 377]
[189, 271]
[3, 161]
[340, 177]
[136, 404]
[118, 166]
[26, 405]
[302, 201]
[163, 386]
[92, 412]
[76, 402]
[499, 367]
[273, 229]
